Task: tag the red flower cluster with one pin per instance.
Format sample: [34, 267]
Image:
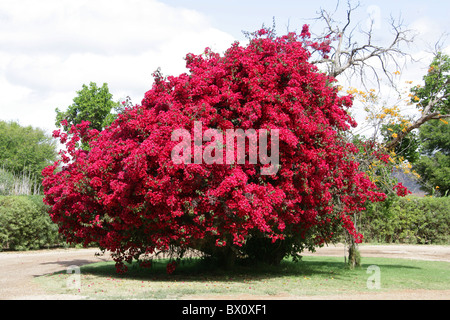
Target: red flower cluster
[126, 194]
[146, 263]
[170, 267]
[401, 190]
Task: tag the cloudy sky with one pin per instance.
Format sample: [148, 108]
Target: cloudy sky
[50, 48]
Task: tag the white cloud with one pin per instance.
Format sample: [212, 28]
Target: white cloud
[426, 27]
[49, 48]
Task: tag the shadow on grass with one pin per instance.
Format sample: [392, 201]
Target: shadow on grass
[205, 270]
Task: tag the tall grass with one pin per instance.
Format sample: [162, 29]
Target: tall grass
[12, 184]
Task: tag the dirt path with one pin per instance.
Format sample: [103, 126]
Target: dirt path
[414, 252]
[17, 269]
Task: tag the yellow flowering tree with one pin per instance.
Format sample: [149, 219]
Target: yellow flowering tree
[383, 122]
[393, 130]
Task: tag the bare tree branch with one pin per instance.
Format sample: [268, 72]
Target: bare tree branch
[426, 116]
[349, 55]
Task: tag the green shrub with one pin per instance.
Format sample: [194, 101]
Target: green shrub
[408, 220]
[25, 224]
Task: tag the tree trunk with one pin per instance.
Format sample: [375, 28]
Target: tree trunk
[226, 257]
[261, 249]
[354, 258]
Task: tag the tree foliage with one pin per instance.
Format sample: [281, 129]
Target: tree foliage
[407, 148]
[434, 164]
[93, 104]
[25, 149]
[431, 99]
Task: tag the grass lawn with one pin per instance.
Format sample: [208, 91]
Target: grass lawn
[196, 279]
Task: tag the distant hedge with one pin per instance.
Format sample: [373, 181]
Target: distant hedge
[409, 220]
[25, 224]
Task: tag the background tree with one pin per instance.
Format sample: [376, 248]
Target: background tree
[93, 104]
[431, 99]
[25, 150]
[434, 163]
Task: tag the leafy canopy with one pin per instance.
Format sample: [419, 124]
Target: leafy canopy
[434, 164]
[435, 94]
[93, 104]
[25, 149]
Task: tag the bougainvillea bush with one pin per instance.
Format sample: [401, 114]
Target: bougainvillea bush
[126, 194]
